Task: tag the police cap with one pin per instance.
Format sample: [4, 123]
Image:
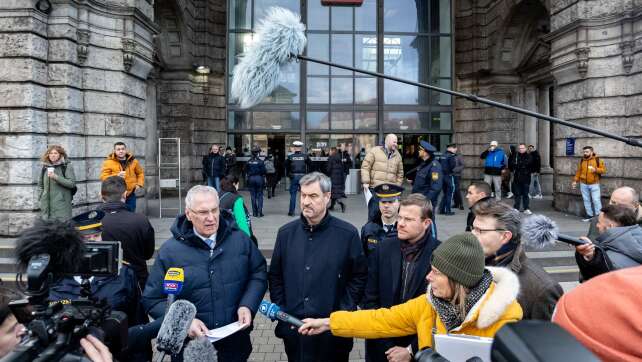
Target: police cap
[427, 146]
[89, 222]
[388, 192]
[297, 144]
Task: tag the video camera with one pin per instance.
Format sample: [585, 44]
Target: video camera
[54, 329]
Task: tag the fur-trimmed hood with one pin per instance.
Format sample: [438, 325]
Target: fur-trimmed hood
[495, 301]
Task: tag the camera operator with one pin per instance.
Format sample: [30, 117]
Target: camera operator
[11, 331]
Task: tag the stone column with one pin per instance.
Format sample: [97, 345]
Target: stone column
[544, 141]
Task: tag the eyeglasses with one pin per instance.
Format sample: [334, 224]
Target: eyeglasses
[477, 230]
[205, 213]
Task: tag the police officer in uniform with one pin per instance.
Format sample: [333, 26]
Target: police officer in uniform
[429, 178]
[296, 165]
[255, 171]
[384, 223]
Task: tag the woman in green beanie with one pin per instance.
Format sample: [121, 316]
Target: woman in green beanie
[464, 297]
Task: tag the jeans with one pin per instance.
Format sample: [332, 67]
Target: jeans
[449, 191]
[520, 190]
[256, 186]
[294, 188]
[535, 187]
[497, 181]
[591, 193]
[130, 201]
[214, 182]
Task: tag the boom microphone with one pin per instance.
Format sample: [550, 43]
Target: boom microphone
[199, 350]
[273, 312]
[175, 327]
[540, 231]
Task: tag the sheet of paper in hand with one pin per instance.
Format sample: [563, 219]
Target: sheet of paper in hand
[222, 332]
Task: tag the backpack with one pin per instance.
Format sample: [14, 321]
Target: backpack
[269, 167]
[63, 168]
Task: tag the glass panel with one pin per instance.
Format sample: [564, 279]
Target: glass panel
[341, 17]
[243, 144]
[440, 16]
[341, 120]
[237, 44]
[261, 6]
[318, 90]
[240, 14]
[342, 142]
[341, 90]
[439, 98]
[341, 52]
[238, 120]
[318, 16]
[406, 120]
[318, 120]
[440, 65]
[365, 46]
[276, 120]
[442, 121]
[319, 48]
[406, 57]
[365, 90]
[405, 15]
[317, 147]
[363, 142]
[366, 16]
[365, 120]
[287, 92]
[262, 141]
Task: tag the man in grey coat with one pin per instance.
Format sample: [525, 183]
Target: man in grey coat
[625, 196]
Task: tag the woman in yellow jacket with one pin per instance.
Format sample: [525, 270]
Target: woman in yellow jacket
[463, 297]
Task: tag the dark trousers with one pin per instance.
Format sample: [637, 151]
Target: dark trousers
[448, 190]
[271, 184]
[256, 186]
[458, 200]
[520, 190]
[321, 348]
[294, 188]
[234, 348]
[130, 201]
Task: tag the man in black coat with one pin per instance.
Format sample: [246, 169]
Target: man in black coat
[133, 230]
[521, 165]
[535, 189]
[336, 171]
[397, 273]
[384, 223]
[214, 167]
[448, 164]
[317, 267]
[225, 273]
[477, 191]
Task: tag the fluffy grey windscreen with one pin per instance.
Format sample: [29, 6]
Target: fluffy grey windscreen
[279, 35]
[175, 326]
[199, 350]
[539, 231]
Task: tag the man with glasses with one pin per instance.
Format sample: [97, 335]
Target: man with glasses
[496, 226]
[225, 274]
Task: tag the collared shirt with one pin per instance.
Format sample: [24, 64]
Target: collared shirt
[212, 239]
[387, 228]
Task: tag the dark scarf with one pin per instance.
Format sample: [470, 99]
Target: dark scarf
[410, 251]
[449, 314]
[503, 256]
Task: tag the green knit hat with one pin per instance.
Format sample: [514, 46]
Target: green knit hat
[461, 258]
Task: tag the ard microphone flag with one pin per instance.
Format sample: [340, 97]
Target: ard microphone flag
[173, 282]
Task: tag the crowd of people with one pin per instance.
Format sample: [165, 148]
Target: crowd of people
[394, 283]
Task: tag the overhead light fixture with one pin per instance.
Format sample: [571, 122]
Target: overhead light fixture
[202, 69]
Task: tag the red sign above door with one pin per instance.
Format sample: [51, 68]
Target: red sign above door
[341, 2]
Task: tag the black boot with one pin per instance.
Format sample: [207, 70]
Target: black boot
[343, 206]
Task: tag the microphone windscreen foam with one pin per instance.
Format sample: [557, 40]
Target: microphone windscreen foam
[199, 350]
[175, 327]
[539, 231]
[279, 35]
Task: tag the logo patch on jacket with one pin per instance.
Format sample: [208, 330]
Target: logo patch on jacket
[372, 241]
[435, 176]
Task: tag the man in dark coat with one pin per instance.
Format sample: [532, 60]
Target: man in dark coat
[214, 167]
[317, 267]
[385, 222]
[521, 164]
[448, 164]
[497, 226]
[255, 172]
[230, 162]
[336, 171]
[429, 178]
[477, 191]
[397, 273]
[225, 273]
[297, 164]
[133, 230]
[535, 188]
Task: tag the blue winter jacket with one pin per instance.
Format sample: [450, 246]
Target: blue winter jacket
[494, 161]
[218, 281]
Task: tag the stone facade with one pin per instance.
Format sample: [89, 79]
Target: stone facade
[575, 59]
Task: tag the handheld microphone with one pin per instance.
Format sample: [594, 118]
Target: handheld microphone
[273, 312]
[175, 327]
[540, 231]
[199, 350]
[173, 284]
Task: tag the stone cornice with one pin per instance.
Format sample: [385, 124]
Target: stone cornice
[591, 23]
[111, 9]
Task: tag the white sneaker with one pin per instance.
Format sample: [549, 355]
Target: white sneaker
[528, 212]
[510, 195]
[586, 220]
[492, 194]
[529, 196]
[539, 196]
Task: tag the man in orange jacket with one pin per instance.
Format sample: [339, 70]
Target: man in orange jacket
[588, 174]
[124, 164]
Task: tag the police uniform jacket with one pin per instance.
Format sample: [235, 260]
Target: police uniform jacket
[373, 233]
[314, 271]
[429, 180]
[448, 164]
[297, 163]
[218, 281]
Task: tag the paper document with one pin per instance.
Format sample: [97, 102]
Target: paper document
[367, 194]
[458, 347]
[220, 333]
